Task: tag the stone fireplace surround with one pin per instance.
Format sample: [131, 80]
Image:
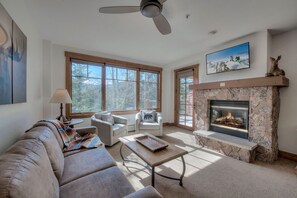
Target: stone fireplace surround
[263, 95]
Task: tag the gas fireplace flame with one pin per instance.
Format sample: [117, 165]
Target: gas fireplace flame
[230, 120]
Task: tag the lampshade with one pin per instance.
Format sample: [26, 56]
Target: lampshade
[61, 96]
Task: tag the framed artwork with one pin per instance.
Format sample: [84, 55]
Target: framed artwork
[19, 65]
[5, 57]
[230, 59]
[13, 61]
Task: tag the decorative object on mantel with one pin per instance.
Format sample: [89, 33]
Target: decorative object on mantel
[61, 96]
[230, 59]
[275, 70]
[13, 61]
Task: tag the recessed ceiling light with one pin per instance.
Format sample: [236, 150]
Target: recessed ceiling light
[213, 32]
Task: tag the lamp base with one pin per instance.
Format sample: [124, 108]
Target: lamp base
[62, 119]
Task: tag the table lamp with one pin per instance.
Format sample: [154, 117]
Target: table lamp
[61, 96]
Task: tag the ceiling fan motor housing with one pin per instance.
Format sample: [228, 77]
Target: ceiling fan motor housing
[151, 8]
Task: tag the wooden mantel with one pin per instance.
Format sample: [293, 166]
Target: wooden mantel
[277, 81]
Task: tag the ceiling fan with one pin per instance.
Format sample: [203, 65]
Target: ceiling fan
[148, 8]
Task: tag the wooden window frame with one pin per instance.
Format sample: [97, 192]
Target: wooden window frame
[159, 94]
[114, 63]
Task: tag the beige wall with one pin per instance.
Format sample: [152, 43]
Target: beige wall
[286, 45]
[16, 118]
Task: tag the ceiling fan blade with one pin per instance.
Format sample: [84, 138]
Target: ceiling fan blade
[162, 1]
[119, 9]
[162, 24]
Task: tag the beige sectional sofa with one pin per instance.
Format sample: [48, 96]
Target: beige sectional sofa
[35, 166]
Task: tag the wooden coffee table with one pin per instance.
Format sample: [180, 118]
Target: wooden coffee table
[153, 159]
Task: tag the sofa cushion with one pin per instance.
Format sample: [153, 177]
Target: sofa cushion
[85, 163]
[149, 126]
[108, 183]
[68, 153]
[55, 154]
[25, 171]
[119, 129]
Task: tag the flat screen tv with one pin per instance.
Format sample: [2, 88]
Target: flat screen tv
[230, 59]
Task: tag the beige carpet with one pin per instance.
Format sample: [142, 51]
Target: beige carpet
[210, 174]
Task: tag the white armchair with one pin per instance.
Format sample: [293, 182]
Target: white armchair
[110, 133]
[155, 128]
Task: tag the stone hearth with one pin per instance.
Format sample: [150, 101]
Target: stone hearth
[264, 113]
[231, 146]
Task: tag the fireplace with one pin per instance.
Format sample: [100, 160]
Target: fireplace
[230, 117]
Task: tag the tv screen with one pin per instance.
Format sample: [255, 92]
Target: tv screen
[230, 59]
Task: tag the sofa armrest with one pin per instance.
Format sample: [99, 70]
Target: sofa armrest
[120, 120]
[105, 131]
[147, 192]
[102, 126]
[84, 130]
[101, 122]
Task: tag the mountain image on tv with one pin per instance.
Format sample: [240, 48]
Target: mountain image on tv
[230, 59]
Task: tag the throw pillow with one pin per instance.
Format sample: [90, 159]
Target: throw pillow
[148, 116]
[107, 118]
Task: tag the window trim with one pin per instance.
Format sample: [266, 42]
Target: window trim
[110, 62]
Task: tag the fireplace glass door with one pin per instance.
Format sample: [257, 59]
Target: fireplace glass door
[230, 117]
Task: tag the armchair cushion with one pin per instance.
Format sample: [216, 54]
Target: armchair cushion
[107, 117]
[148, 116]
[149, 126]
[118, 129]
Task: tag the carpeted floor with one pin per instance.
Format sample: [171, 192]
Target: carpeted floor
[210, 174]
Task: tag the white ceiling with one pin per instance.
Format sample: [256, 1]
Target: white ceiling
[77, 23]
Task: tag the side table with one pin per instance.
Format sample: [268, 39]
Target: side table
[74, 122]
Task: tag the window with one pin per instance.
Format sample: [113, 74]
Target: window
[99, 84]
[86, 87]
[149, 90]
[120, 89]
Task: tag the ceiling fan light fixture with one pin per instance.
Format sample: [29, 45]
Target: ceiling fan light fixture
[148, 8]
[151, 8]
